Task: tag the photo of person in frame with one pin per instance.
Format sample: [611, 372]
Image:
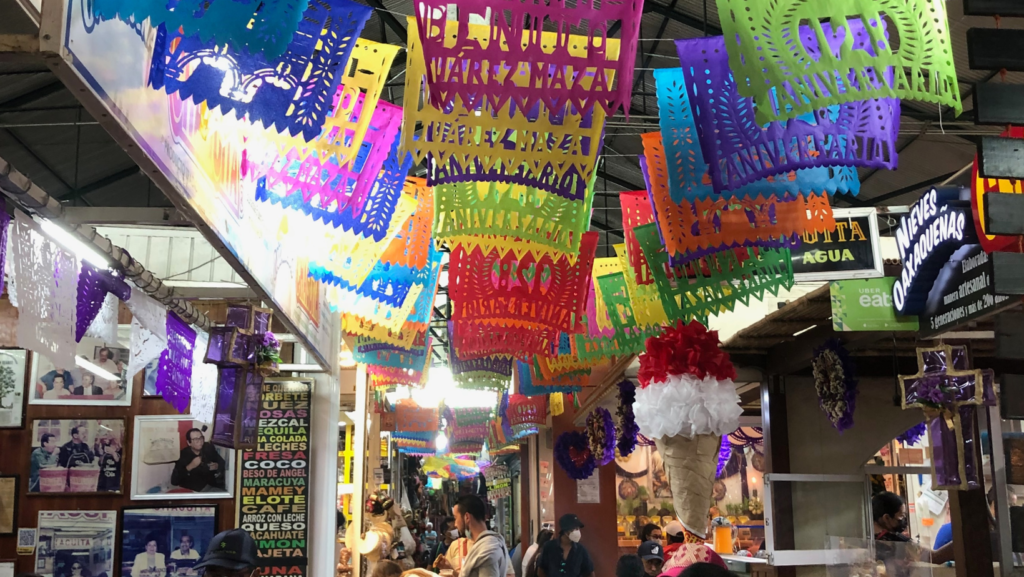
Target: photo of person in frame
[174, 458]
[88, 387]
[56, 384]
[165, 541]
[98, 377]
[76, 456]
[199, 467]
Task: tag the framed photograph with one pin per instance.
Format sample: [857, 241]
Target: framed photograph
[165, 541]
[98, 379]
[76, 543]
[74, 456]
[12, 388]
[8, 503]
[174, 459]
[149, 376]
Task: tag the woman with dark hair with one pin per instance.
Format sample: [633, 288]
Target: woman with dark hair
[650, 532]
[78, 570]
[149, 563]
[530, 556]
[629, 566]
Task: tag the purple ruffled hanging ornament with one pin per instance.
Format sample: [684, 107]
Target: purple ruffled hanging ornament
[93, 286]
[724, 453]
[174, 375]
[5, 221]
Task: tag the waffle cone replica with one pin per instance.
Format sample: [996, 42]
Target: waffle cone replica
[686, 401]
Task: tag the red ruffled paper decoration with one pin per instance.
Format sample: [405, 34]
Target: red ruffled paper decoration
[684, 350]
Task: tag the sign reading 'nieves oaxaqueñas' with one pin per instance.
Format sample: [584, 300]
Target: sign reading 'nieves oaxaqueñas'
[274, 505]
[937, 225]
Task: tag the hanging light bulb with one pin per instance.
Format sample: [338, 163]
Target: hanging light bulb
[441, 442]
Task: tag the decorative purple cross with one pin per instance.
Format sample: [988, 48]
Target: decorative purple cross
[232, 348]
[949, 392]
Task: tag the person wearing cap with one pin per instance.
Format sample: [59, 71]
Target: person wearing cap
[679, 554]
[653, 556]
[230, 554]
[674, 537]
[564, 556]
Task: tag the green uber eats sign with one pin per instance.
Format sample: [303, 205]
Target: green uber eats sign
[866, 305]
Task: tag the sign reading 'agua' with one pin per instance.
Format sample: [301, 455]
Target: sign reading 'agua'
[274, 505]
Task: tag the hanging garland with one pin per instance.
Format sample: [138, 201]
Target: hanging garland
[601, 434]
[835, 383]
[912, 435]
[572, 452]
[628, 429]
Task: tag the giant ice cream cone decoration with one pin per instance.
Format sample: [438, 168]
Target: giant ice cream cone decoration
[686, 402]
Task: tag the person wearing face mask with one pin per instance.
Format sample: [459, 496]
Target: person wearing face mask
[650, 532]
[564, 556]
[488, 556]
[446, 537]
[890, 515]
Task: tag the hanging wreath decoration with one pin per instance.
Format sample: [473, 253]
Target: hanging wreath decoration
[835, 383]
[601, 434]
[628, 429]
[572, 453]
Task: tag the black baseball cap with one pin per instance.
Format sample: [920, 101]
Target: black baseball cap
[568, 522]
[651, 550]
[233, 550]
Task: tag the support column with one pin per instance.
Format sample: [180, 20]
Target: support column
[526, 474]
[359, 474]
[775, 424]
[323, 490]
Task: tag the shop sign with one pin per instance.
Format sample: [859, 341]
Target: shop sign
[963, 291]
[981, 186]
[936, 227]
[274, 500]
[72, 543]
[866, 305]
[849, 251]
[201, 154]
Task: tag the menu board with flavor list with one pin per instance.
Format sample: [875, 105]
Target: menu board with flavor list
[274, 505]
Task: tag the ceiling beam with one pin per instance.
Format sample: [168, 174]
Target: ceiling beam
[101, 183]
[682, 18]
[875, 201]
[389, 19]
[621, 182]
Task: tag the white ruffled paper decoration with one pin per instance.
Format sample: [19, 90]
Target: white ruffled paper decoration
[145, 347]
[48, 286]
[685, 405]
[12, 278]
[204, 381]
[104, 326]
[150, 313]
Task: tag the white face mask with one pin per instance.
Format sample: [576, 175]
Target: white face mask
[575, 535]
[454, 533]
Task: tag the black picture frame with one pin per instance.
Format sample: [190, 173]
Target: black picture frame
[26, 378]
[16, 479]
[172, 505]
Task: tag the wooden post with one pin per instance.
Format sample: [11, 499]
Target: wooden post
[972, 545]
